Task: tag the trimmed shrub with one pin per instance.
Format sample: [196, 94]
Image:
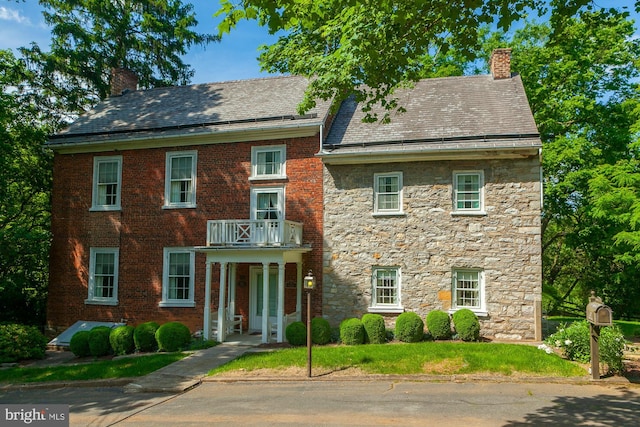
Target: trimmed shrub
[296, 333]
[121, 340]
[466, 324]
[19, 342]
[574, 341]
[173, 336]
[320, 331]
[439, 325]
[352, 331]
[99, 341]
[144, 336]
[409, 327]
[374, 329]
[79, 344]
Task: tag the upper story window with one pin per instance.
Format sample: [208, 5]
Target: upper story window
[387, 193]
[267, 203]
[268, 162]
[107, 183]
[180, 181]
[468, 290]
[385, 291]
[103, 276]
[178, 278]
[468, 192]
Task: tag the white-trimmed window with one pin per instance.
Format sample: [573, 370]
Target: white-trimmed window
[268, 162]
[468, 192]
[178, 278]
[468, 290]
[103, 276]
[267, 203]
[180, 181]
[387, 193]
[107, 183]
[385, 292]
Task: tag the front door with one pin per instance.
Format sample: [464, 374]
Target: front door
[257, 297]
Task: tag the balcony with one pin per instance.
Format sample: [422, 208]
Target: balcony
[262, 232]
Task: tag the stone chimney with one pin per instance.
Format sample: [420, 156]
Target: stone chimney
[501, 64]
[123, 80]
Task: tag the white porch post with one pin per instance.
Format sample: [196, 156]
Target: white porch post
[299, 292]
[280, 313]
[207, 302]
[265, 303]
[222, 324]
[232, 291]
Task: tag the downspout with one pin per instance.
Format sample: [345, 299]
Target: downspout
[321, 136]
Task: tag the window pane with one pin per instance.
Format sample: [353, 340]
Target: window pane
[268, 163]
[388, 193]
[107, 185]
[267, 206]
[104, 275]
[468, 289]
[386, 291]
[468, 191]
[179, 275]
[181, 187]
[181, 168]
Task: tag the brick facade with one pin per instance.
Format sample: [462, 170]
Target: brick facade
[428, 242]
[142, 228]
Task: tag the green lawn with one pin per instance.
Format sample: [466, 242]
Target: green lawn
[418, 358]
[119, 368]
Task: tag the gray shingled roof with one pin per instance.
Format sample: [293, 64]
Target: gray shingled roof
[458, 111]
[201, 108]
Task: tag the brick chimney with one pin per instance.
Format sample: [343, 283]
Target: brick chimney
[123, 80]
[501, 64]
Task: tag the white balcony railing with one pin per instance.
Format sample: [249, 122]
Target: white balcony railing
[246, 232]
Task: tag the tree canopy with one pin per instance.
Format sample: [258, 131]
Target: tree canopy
[367, 48]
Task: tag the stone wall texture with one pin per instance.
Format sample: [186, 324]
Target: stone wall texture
[428, 242]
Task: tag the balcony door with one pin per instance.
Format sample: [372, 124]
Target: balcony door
[267, 204]
[256, 288]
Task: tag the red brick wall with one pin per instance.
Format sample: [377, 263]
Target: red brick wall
[142, 228]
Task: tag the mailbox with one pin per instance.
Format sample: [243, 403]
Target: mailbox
[597, 313]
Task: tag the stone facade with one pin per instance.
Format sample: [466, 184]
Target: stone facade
[427, 241]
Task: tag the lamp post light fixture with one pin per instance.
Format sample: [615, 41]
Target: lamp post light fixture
[309, 285]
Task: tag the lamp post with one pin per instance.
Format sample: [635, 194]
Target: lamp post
[309, 285]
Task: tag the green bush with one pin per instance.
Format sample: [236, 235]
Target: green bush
[439, 325]
[79, 344]
[173, 336]
[352, 331]
[466, 324]
[144, 336]
[374, 329]
[19, 342]
[99, 341]
[574, 341]
[320, 331]
[409, 327]
[296, 333]
[121, 340]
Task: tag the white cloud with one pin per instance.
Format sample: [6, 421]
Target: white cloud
[13, 15]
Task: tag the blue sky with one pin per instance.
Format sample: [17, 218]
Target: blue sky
[232, 59]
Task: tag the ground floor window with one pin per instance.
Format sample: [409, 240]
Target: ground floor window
[103, 276]
[385, 295]
[178, 278]
[468, 289]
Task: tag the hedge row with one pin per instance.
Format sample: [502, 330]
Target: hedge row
[20, 342]
[411, 328]
[146, 337]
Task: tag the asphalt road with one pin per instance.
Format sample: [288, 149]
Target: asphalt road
[348, 402]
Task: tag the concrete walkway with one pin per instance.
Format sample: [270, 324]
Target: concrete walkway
[189, 372]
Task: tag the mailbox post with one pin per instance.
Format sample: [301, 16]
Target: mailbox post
[309, 285]
[598, 315]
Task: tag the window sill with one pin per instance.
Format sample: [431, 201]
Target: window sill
[268, 178]
[189, 206]
[479, 313]
[384, 214]
[100, 302]
[188, 304]
[385, 309]
[468, 213]
[104, 208]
